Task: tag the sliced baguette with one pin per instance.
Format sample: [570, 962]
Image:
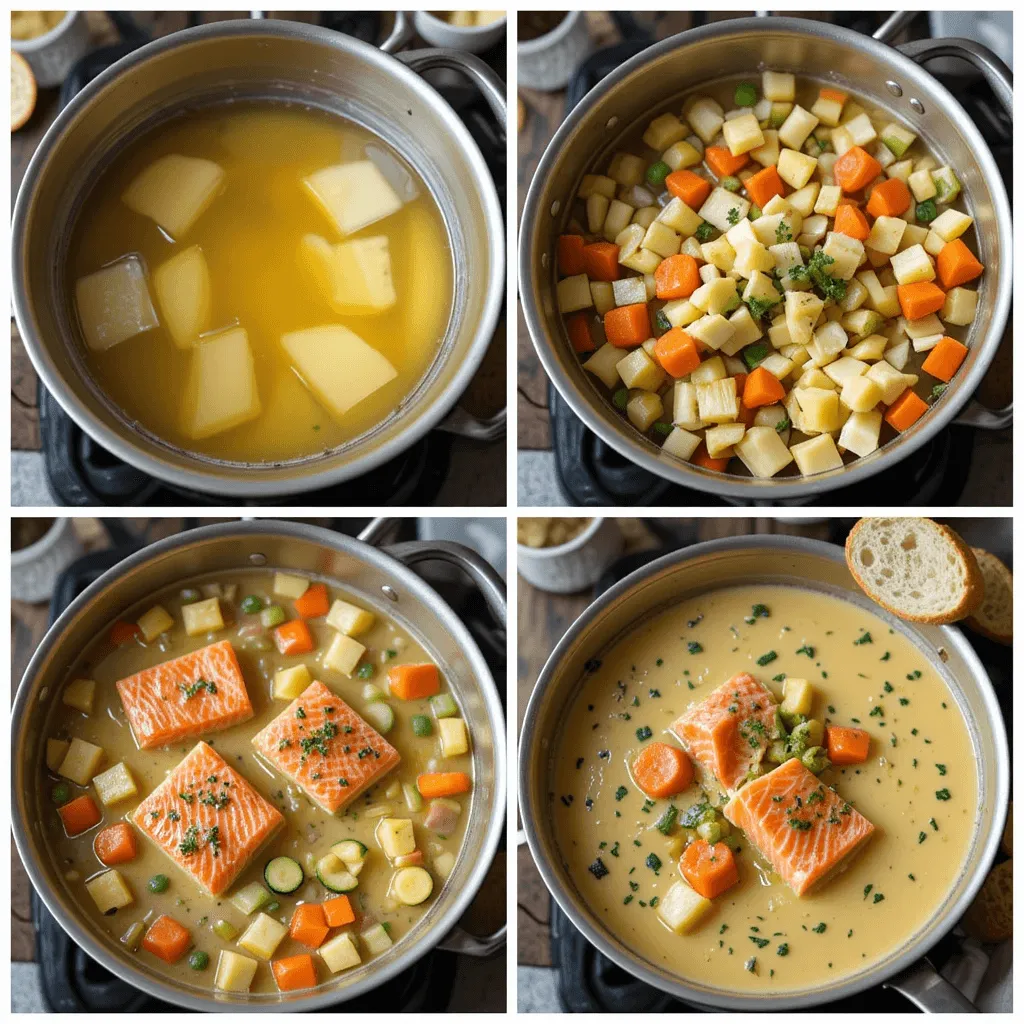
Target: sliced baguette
[917, 569]
[23, 91]
[994, 616]
[990, 917]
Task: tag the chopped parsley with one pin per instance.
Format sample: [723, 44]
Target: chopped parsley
[865, 638]
[598, 869]
[704, 232]
[694, 648]
[942, 794]
[197, 687]
[733, 217]
[759, 308]
[621, 792]
[806, 649]
[767, 659]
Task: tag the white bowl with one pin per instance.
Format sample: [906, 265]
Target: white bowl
[53, 54]
[34, 570]
[470, 38]
[549, 61]
[574, 565]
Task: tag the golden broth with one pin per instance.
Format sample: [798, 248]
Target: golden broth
[892, 886]
[250, 236]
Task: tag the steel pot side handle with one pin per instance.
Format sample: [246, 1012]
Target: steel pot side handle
[929, 991]
[458, 940]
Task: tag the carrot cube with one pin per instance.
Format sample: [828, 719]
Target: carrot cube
[762, 388]
[710, 870]
[766, 184]
[677, 352]
[919, 299]
[338, 912]
[906, 411]
[80, 815]
[690, 187]
[722, 162]
[116, 844]
[570, 255]
[414, 682]
[294, 638]
[889, 198]
[851, 222]
[662, 770]
[846, 745]
[601, 261]
[677, 277]
[957, 265]
[627, 326]
[314, 602]
[294, 972]
[309, 925]
[855, 169]
[578, 329]
[167, 939]
[945, 359]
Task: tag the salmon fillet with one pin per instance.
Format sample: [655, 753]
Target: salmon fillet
[191, 696]
[322, 745]
[804, 829]
[728, 732]
[208, 819]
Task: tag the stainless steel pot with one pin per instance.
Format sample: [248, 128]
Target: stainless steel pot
[734, 561]
[382, 581]
[283, 61]
[653, 82]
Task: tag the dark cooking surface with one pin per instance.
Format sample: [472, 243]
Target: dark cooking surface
[71, 982]
[588, 982]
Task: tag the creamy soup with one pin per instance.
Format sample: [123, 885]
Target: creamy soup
[314, 893]
[918, 786]
[213, 245]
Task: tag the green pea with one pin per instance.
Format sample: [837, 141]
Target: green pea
[927, 211]
[198, 960]
[252, 604]
[60, 794]
[273, 906]
[664, 429]
[658, 172]
[730, 183]
[745, 95]
[158, 883]
[621, 398]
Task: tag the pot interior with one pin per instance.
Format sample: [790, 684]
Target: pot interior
[378, 583]
[254, 61]
[663, 585]
[656, 81]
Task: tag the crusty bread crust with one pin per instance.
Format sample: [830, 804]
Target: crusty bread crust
[23, 91]
[994, 575]
[970, 599]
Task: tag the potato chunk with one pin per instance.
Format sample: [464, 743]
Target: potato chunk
[340, 953]
[113, 304]
[234, 972]
[81, 762]
[349, 619]
[222, 390]
[337, 366]
[396, 837]
[79, 695]
[354, 277]
[202, 616]
[175, 191]
[184, 295]
[353, 195]
[109, 891]
[343, 654]
[115, 784]
[289, 683]
[682, 909]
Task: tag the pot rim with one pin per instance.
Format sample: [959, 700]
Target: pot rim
[617, 951]
[202, 474]
[730, 485]
[458, 900]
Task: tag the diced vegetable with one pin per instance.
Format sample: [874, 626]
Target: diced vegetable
[289, 683]
[116, 844]
[412, 885]
[340, 953]
[294, 972]
[167, 939]
[338, 912]
[454, 737]
[234, 972]
[349, 619]
[376, 939]
[79, 693]
[295, 638]
[414, 682]
[225, 930]
[709, 869]
[250, 898]
[263, 936]
[115, 784]
[443, 706]
[661, 770]
[421, 725]
[309, 925]
[202, 617]
[682, 909]
[283, 875]
[334, 874]
[847, 745]
[110, 891]
[396, 836]
[442, 816]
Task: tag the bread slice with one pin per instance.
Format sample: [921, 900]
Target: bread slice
[917, 569]
[23, 91]
[990, 917]
[994, 616]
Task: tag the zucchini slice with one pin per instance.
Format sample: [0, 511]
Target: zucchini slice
[334, 874]
[283, 875]
[411, 885]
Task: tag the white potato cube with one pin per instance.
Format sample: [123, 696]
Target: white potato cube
[175, 191]
[349, 618]
[202, 616]
[717, 401]
[597, 209]
[602, 364]
[115, 784]
[626, 169]
[603, 296]
[951, 224]
[802, 312]
[154, 622]
[828, 200]
[684, 406]
[778, 86]
[681, 312]
[340, 953]
[890, 380]
[353, 195]
[644, 409]
[596, 184]
[797, 697]
[763, 452]
[803, 200]
[912, 265]
[844, 369]
[860, 433]
[713, 330]
[234, 972]
[796, 128]
[573, 294]
[109, 891]
[870, 350]
[742, 134]
[184, 294]
[81, 761]
[679, 217]
[681, 155]
[704, 116]
[861, 130]
[290, 683]
[795, 168]
[817, 455]
[222, 391]
[113, 304]
[453, 735]
[79, 694]
[719, 254]
[860, 394]
[886, 234]
[660, 238]
[721, 439]
[922, 185]
[354, 277]
[960, 306]
[847, 254]
[343, 654]
[665, 131]
[819, 408]
[628, 291]
[898, 355]
[681, 443]
[724, 209]
[263, 936]
[638, 370]
[396, 836]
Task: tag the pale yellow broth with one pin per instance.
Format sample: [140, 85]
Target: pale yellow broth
[308, 833]
[649, 678]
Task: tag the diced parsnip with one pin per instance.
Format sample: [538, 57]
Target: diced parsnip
[454, 736]
[628, 241]
[56, 749]
[860, 129]
[951, 224]
[79, 695]
[115, 784]
[681, 443]
[290, 682]
[912, 265]
[154, 622]
[681, 909]
[751, 256]
[603, 295]
[847, 254]
[684, 407]
[856, 296]
[760, 287]
[680, 217]
[626, 169]
[777, 365]
[717, 296]
[643, 261]
[234, 971]
[828, 200]
[573, 293]
[860, 433]
[717, 401]
[681, 155]
[629, 290]
[898, 355]
[817, 455]
[597, 209]
[902, 169]
[664, 131]
[681, 312]
[803, 200]
[175, 191]
[109, 891]
[263, 936]
[786, 255]
[183, 292]
[603, 364]
[617, 219]
[960, 306]
[81, 762]
[444, 864]
[767, 154]
[885, 234]
[891, 381]
[720, 254]
[644, 409]
[660, 238]
[349, 619]
[819, 408]
[933, 243]
[814, 378]
[202, 616]
[740, 234]
[922, 185]
[802, 312]
[862, 322]
[704, 116]
[745, 330]
[395, 835]
[778, 86]
[827, 111]
[113, 304]
[860, 394]
[376, 939]
[795, 130]
[222, 391]
[742, 134]
[724, 209]
[897, 139]
[770, 416]
[353, 195]
[708, 272]
[841, 140]
[596, 184]
[343, 654]
[639, 370]
[871, 349]
[721, 439]
[646, 215]
[763, 452]
[922, 327]
[340, 953]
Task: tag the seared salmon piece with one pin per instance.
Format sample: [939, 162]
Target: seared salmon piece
[805, 830]
[322, 745]
[191, 696]
[728, 732]
[208, 819]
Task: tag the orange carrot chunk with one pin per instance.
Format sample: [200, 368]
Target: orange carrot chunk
[124, 632]
[627, 326]
[764, 185]
[309, 925]
[846, 745]
[314, 603]
[115, 845]
[855, 169]
[956, 264]
[906, 411]
[945, 359]
[701, 458]
[601, 261]
[167, 939]
[294, 972]
[762, 388]
[722, 162]
[294, 638]
[414, 682]
[436, 784]
[851, 222]
[690, 187]
[677, 352]
[889, 198]
[570, 255]
[80, 815]
[578, 329]
[677, 277]
[920, 299]
[661, 770]
[835, 95]
[338, 911]
[710, 870]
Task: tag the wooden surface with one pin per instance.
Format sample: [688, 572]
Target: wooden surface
[486, 392]
[543, 619]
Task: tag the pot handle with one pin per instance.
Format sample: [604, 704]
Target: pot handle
[929, 991]
[458, 940]
[994, 71]
[401, 34]
[974, 414]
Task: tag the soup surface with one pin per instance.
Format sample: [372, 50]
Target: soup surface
[314, 893]
[918, 787]
[774, 278]
[265, 255]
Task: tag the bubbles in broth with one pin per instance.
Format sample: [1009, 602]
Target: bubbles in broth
[259, 281]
